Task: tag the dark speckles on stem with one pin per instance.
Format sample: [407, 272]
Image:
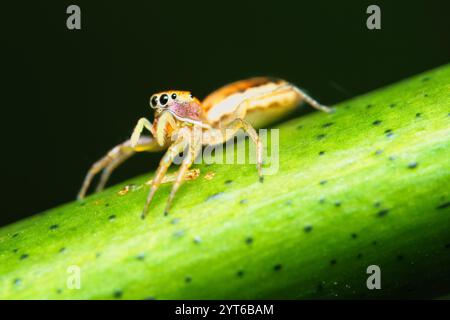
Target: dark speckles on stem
[197, 240]
[175, 221]
[117, 294]
[321, 153]
[359, 256]
[377, 204]
[299, 127]
[15, 250]
[240, 273]
[391, 158]
[382, 213]
[400, 257]
[322, 200]
[418, 115]
[375, 242]
[388, 133]
[227, 182]
[179, 234]
[369, 106]
[63, 249]
[425, 95]
[277, 267]
[378, 152]
[308, 228]
[322, 182]
[320, 136]
[333, 262]
[15, 235]
[328, 124]
[376, 122]
[249, 240]
[98, 254]
[214, 196]
[188, 279]
[337, 203]
[24, 256]
[425, 79]
[447, 246]
[392, 105]
[443, 206]
[140, 256]
[412, 165]
[53, 227]
[112, 217]
[17, 281]
[59, 291]
[354, 235]
[243, 201]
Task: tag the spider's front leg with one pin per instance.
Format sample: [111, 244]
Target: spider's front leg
[118, 155]
[175, 149]
[193, 150]
[142, 123]
[113, 159]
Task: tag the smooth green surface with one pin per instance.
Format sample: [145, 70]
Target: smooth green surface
[379, 194]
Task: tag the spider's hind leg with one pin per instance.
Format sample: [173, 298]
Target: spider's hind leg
[310, 100]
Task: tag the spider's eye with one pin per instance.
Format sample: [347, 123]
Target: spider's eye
[163, 100]
[154, 101]
[191, 96]
[174, 96]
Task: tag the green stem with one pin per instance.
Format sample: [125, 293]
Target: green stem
[366, 185]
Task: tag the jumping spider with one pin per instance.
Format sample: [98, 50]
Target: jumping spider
[184, 124]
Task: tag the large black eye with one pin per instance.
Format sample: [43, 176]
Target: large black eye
[154, 101]
[174, 96]
[163, 100]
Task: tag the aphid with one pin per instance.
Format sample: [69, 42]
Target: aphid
[183, 124]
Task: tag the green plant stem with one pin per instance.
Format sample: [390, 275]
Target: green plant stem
[366, 185]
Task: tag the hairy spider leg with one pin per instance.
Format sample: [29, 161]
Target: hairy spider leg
[175, 149]
[114, 158]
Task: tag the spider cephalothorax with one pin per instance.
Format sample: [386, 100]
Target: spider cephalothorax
[174, 109]
[184, 124]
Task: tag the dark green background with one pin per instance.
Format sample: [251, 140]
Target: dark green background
[71, 95]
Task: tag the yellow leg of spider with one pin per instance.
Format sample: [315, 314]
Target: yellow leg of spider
[175, 149]
[309, 100]
[113, 159]
[217, 136]
[193, 151]
[286, 88]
